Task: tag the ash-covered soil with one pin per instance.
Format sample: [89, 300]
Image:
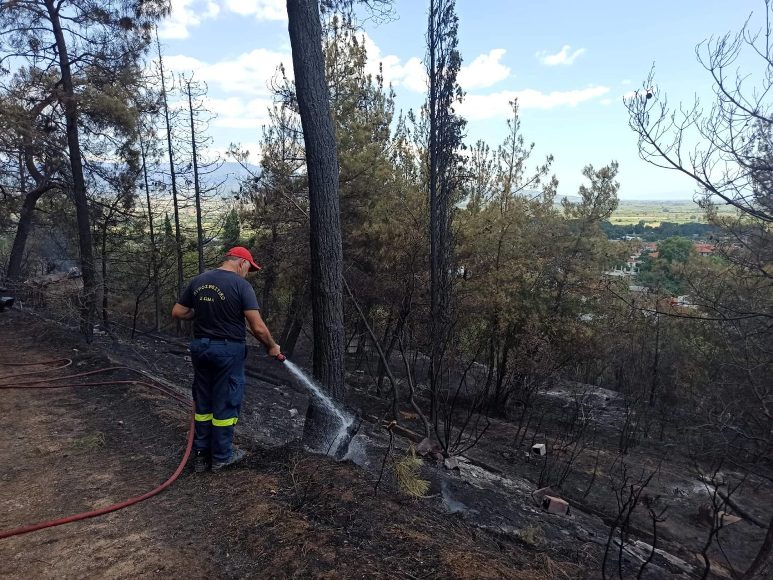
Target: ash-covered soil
[285, 513]
[289, 513]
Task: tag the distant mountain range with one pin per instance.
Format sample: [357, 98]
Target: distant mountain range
[228, 176]
[231, 174]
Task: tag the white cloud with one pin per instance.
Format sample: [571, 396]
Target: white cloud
[415, 75]
[262, 9]
[237, 113]
[564, 56]
[606, 101]
[486, 70]
[410, 74]
[247, 74]
[181, 63]
[477, 107]
[187, 14]
[239, 96]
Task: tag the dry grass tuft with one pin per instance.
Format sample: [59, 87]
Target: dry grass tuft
[531, 536]
[89, 443]
[407, 473]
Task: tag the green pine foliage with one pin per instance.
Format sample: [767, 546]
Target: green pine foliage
[231, 230]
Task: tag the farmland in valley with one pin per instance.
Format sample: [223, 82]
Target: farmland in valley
[655, 212]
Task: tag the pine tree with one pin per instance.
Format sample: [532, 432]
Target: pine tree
[324, 214]
[444, 141]
[231, 230]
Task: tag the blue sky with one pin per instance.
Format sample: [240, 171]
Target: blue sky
[568, 62]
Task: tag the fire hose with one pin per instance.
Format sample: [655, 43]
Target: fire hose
[57, 383]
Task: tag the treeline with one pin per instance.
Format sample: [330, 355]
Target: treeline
[447, 264]
[104, 161]
[660, 232]
[510, 275]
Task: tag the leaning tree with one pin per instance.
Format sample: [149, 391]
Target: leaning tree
[91, 51]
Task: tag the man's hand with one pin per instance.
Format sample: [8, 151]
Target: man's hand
[276, 352]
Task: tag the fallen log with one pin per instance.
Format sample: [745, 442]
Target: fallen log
[399, 429]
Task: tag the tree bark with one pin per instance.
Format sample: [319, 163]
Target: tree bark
[23, 229]
[78, 182]
[443, 140]
[436, 255]
[173, 176]
[196, 187]
[153, 246]
[105, 288]
[324, 215]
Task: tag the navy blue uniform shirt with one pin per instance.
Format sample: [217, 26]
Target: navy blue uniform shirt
[219, 298]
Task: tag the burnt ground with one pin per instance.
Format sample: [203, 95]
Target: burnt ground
[288, 513]
[285, 513]
[499, 495]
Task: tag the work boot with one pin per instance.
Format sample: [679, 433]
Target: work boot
[236, 456]
[200, 461]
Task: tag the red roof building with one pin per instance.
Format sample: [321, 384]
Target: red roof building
[703, 249]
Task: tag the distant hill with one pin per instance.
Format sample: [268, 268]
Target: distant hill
[229, 175]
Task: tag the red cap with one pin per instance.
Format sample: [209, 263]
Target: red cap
[244, 254]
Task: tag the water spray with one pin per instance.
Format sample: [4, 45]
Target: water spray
[347, 425]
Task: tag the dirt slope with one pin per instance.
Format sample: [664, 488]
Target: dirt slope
[285, 514]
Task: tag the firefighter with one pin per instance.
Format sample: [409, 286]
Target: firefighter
[218, 301]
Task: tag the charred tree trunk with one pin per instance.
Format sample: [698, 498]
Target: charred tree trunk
[153, 247]
[293, 332]
[444, 139]
[390, 342]
[655, 362]
[436, 265]
[23, 229]
[78, 182]
[324, 214]
[382, 356]
[105, 288]
[268, 291]
[43, 184]
[270, 276]
[173, 176]
[196, 187]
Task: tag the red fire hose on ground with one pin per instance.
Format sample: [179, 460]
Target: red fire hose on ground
[66, 382]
